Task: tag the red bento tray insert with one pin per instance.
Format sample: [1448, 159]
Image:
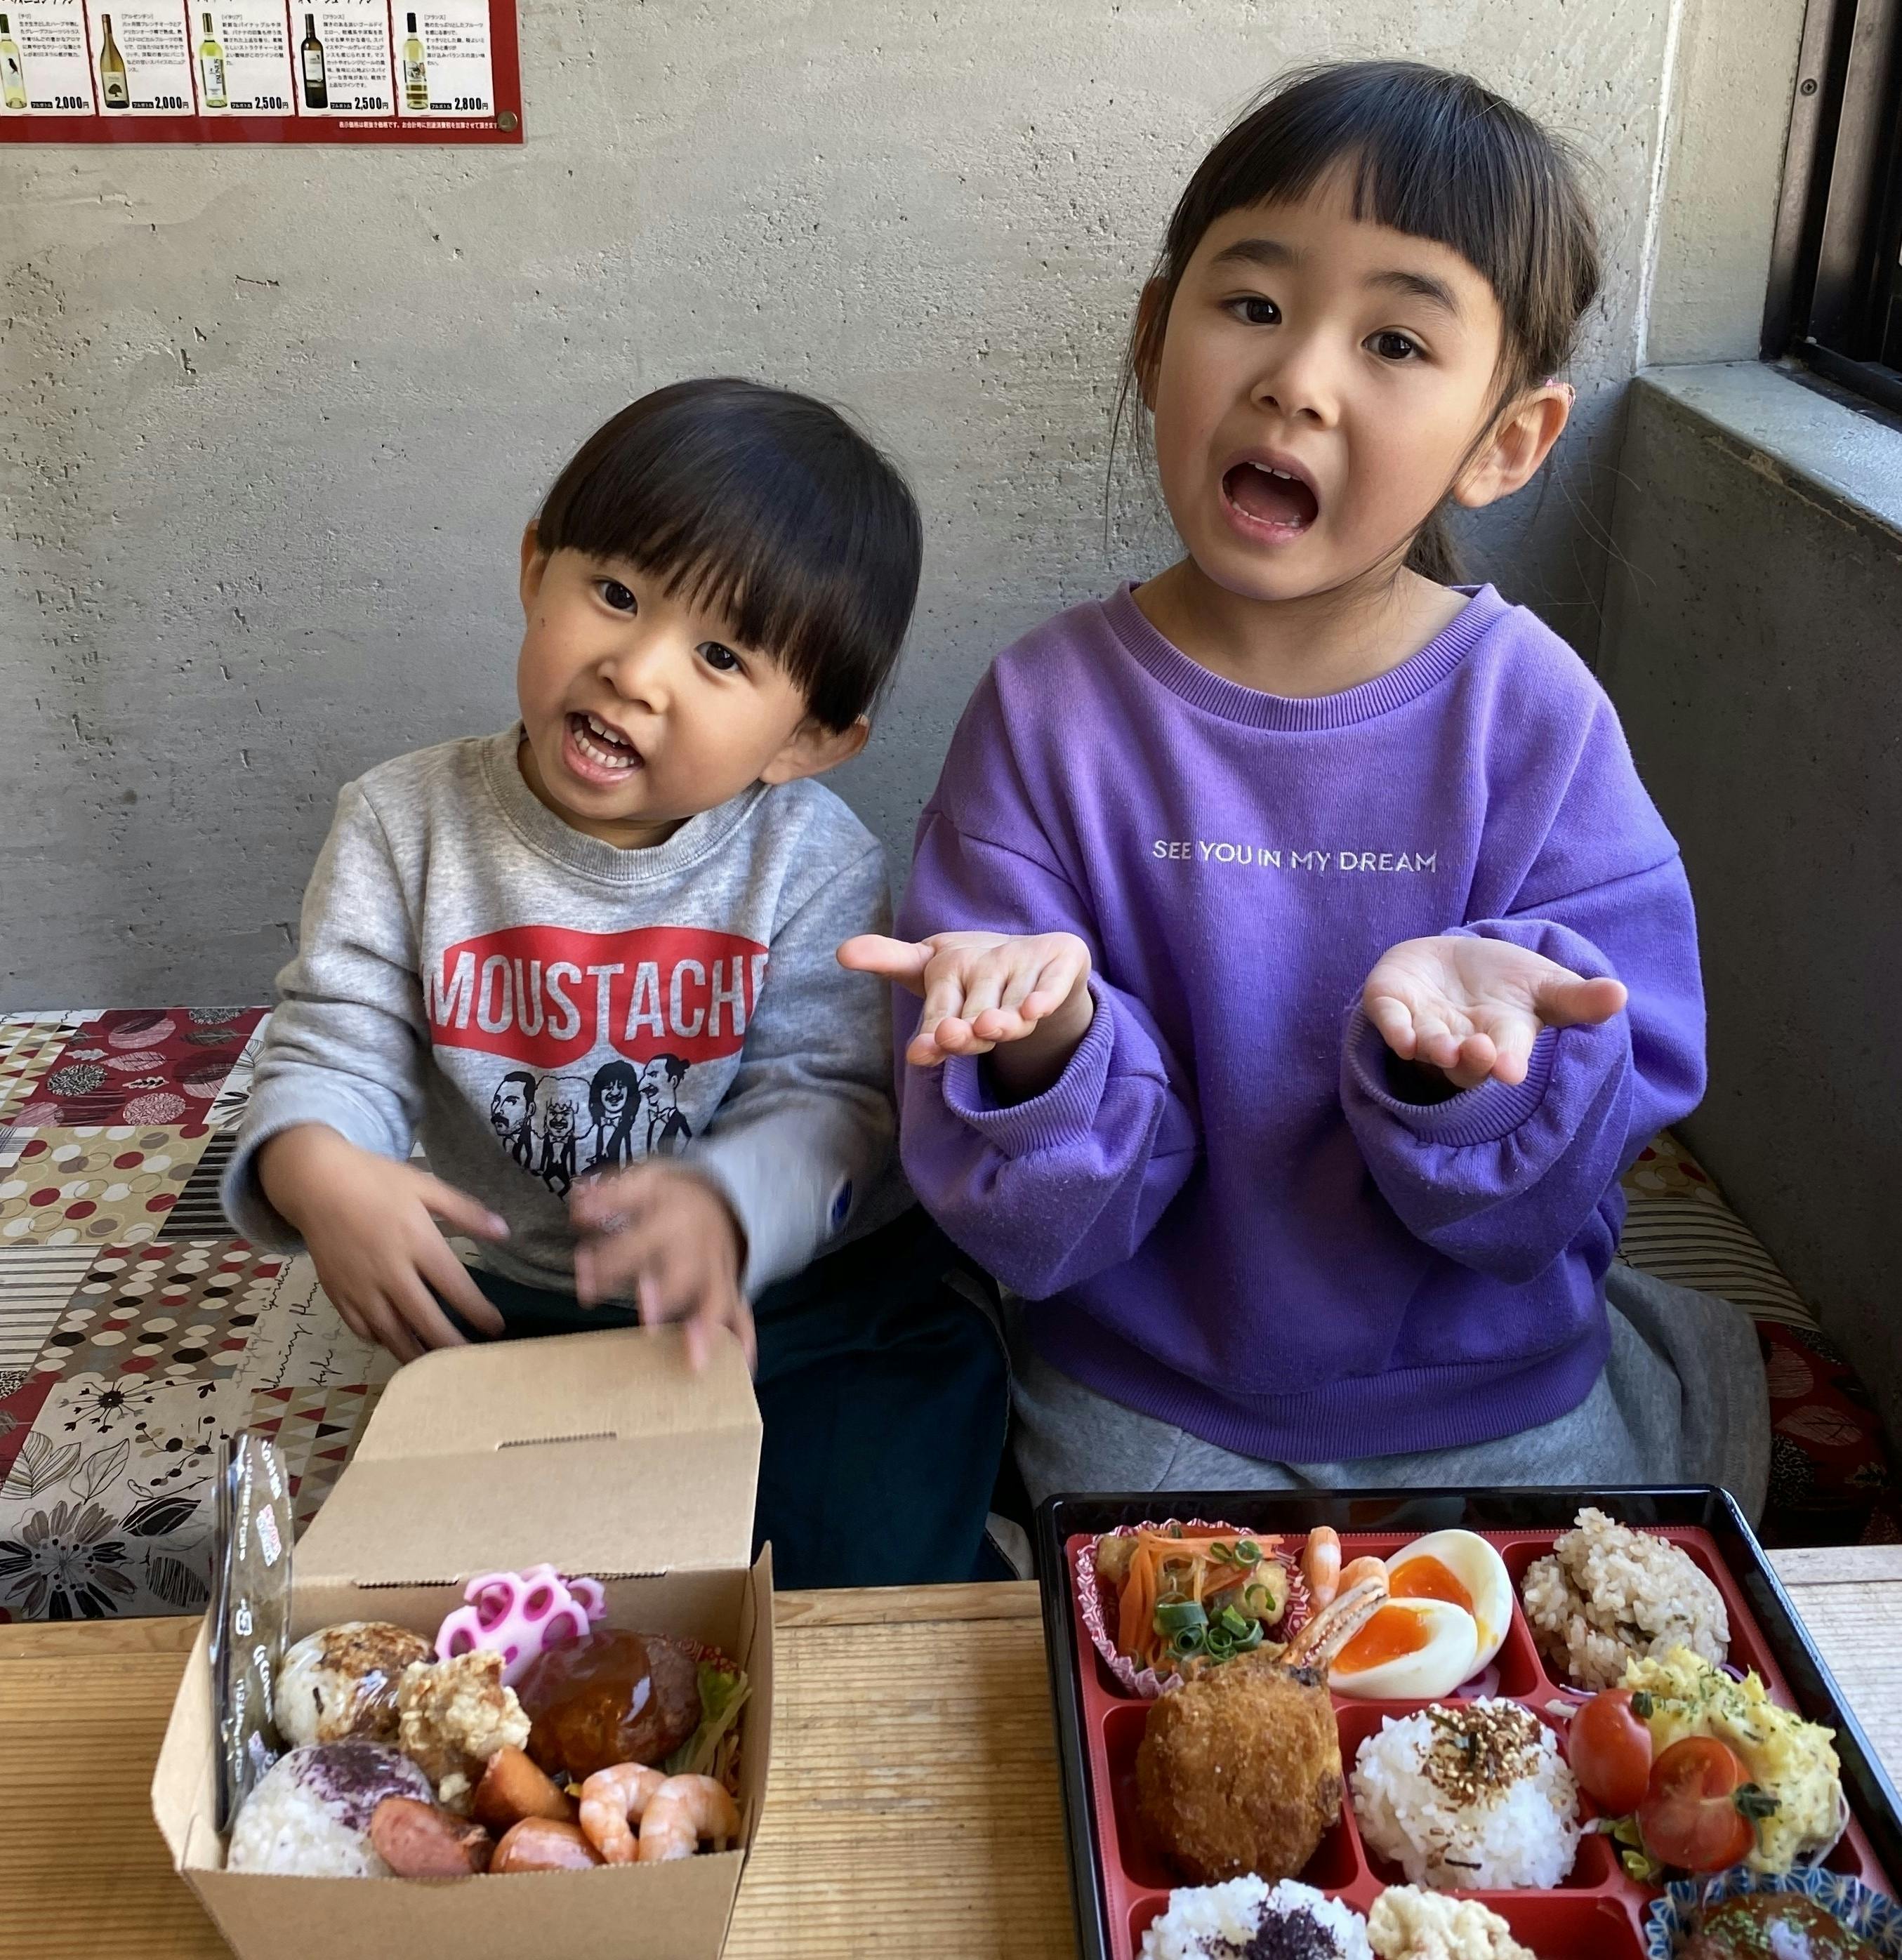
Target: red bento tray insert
[1597, 1914]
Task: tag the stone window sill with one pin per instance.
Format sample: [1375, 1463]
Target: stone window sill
[1796, 432]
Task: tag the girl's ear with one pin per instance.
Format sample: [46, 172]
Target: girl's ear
[1510, 457]
[1152, 320]
[534, 563]
[814, 748]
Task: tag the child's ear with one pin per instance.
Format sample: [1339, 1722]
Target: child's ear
[1151, 321]
[815, 749]
[534, 563]
[1510, 457]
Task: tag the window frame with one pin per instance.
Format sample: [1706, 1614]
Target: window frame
[1835, 297]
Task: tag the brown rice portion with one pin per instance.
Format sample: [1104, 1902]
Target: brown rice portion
[1608, 1595]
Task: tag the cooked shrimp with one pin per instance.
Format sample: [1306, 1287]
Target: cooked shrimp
[610, 1799]
[1356, 1570]
[1321, 1564]
[683, 1811]
[1340, 1619]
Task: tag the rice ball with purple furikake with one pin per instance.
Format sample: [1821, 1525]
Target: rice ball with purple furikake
[310, 1818]
[1248, 1919]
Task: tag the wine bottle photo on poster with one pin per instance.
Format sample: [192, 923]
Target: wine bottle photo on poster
[259, 71]
[243, 57]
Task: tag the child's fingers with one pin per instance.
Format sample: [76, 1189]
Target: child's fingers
[983, 989]
[423, 1314]
[1473, 1060]
[1564, 1001]
[944, 997]
[348, 1313]
[902, 960]
[955, 1035]
[390, 1330]
[457, 1208]
[1394, 1020]
[740, 1318]
[618, 1263]
[450, 1280]
[613, 1204]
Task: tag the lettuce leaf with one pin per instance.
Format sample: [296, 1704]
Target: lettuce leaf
[722, 1695]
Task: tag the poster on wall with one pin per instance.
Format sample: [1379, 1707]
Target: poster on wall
[259, 71]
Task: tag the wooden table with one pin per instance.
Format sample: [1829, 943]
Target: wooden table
[914, 1781]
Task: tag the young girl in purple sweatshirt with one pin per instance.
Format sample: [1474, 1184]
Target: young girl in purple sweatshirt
[1302, 961]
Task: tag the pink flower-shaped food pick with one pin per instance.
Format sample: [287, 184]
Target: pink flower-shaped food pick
[518, 1614]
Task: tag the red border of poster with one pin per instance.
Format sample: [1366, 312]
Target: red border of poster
[235, 126]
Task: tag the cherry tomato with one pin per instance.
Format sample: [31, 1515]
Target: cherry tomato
[1609, 1750]
[1690, 1815]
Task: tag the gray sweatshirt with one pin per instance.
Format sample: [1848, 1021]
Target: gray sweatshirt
[539, 1005]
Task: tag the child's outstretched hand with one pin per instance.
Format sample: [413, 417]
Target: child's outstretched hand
[983, 989]
[1473, 1007]
[371, 1228]
[661, 1235]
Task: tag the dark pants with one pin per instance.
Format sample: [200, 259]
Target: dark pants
[884, 1394]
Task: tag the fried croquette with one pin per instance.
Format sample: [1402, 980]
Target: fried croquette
[1240, 1771]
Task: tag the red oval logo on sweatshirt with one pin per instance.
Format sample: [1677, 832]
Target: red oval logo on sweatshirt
[547, 995]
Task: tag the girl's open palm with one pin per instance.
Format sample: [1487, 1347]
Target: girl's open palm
[1473, 1008]
[980, 988]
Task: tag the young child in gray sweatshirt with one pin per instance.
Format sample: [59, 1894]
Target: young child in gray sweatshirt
[590, 960]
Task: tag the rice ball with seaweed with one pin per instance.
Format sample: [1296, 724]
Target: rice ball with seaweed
[1248, 1917]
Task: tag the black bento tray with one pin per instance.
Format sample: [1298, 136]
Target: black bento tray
[1872, 1797]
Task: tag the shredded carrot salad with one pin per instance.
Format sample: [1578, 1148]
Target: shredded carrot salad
[1166, 1571]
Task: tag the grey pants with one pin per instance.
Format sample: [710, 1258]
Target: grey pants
[1682, 1401]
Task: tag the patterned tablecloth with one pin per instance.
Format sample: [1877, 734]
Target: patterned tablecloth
[136, 1332]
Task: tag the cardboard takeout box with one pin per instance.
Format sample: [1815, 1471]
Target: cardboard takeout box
[600, 1453]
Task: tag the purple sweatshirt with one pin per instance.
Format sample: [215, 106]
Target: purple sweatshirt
[1229, 1211]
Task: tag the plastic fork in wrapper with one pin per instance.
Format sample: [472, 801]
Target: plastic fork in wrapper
[249, 1615]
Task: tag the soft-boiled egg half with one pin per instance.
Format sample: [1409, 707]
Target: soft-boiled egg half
[1449, 1604]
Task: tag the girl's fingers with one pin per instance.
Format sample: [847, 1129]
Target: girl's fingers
[902, 960]
[1566, 1001]
[1473, 1062]
[955, 1035]
[1021, 983]
[1394, 1020]
[983, 989]
[944, 998]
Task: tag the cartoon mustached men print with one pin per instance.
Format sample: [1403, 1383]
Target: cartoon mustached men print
[560, 1127]
[614, 1102]
[561, 1109]
[666, 1128]
[512, 1113]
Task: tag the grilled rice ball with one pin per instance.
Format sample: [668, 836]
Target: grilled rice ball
[1240, 1771]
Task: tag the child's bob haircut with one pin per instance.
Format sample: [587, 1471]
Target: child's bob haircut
[1427, 152]
[767, 508]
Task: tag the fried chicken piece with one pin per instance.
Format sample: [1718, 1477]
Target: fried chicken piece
[456, 1713]
[1240, 1771]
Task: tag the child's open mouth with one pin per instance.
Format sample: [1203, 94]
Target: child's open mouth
[1271, 502]
[597, 753]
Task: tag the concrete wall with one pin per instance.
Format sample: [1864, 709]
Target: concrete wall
[1730, 76]
[1750, 645]
[270, 422]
